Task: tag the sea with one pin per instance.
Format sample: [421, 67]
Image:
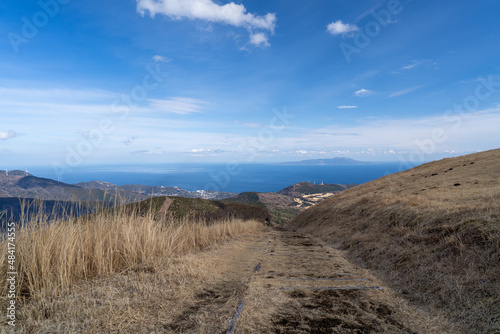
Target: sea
[235, 178]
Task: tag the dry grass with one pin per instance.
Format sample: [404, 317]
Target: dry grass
[52, 259]
[193, 293]
[432, 233]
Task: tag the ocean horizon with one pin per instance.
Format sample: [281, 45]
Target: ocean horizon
[223, 177]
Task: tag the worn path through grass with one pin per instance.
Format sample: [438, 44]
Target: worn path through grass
[302, 286]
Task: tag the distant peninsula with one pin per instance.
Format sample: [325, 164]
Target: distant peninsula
[321, 162]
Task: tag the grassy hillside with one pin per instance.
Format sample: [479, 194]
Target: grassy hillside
[249, 197]
[198, 209]
[307, 188]
[432, 232]
[282, 208]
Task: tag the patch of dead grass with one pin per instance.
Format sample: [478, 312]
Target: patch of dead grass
[100, 273]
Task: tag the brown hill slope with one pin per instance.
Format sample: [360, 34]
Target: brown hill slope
[432, 232]
[181, 208]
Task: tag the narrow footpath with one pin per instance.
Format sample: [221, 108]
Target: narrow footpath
[284, 282]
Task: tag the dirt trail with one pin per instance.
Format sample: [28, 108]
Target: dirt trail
[302, 286]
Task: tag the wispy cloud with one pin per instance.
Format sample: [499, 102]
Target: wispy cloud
[61, 102]
[412, 64]
[340, 28]
[404, 92]
[161, 59]
[370, 11]
[142, 152]
[178, 105]
[347, 107]
[409, 134]
[363, 92]
[206, 10]
[4, 135]
[415, 63]
[51, 94]
[202, 152]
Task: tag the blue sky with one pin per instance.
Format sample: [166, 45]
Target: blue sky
[93, 82]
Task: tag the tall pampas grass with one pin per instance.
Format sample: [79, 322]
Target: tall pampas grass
[52, 256]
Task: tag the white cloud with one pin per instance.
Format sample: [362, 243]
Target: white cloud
[477, 130]
[161, 59]
[404, 92]
[57, 102]
[415, 63]
[259, 39]
[200, 152]
[142, 152]
[363, 92]
[340, 28]
[206, 10]
[7, 135]
[347, 107]
[178, 105]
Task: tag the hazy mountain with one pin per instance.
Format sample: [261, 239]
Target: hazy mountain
[21, 184]
[61, 197]
[157, 191]
[24, 185]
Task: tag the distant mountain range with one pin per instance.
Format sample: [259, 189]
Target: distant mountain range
[24, 185]
[22, 192]
[63, 200]
[157, 191]
[333, 161]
